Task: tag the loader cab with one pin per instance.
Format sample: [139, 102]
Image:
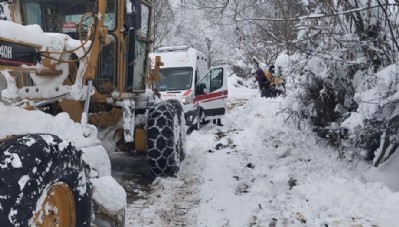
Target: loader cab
[121, 67]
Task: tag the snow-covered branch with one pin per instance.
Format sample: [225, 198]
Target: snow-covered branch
[317, 16]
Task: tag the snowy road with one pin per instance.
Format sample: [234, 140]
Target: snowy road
[257, 170]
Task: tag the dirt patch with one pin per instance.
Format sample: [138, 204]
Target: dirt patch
[233, 103]
[131, 171]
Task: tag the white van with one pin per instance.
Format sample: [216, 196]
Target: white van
[185, 76]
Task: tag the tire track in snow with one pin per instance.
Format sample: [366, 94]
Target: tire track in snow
[171, 201]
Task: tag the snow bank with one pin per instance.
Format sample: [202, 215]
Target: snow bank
[260, 170]
[382, 91]
[98, 160]
[108, 193]
[282, 61]
[18, 121]
[387, 172]
[240, 88]
[271, 172]
[336, 199]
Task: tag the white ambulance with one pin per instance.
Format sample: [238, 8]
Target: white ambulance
[185, 76]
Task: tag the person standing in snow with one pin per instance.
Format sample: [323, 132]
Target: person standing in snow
[270, 90]
[263, 82]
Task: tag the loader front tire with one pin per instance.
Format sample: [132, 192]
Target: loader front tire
[43, 182]
[182, 127]
[165, 138]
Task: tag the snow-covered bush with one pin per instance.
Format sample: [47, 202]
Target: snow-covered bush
[348, 77]
[338, 53]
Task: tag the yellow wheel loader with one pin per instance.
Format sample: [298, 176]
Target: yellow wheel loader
[87, 59]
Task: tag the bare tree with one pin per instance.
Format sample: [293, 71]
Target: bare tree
[164, 22]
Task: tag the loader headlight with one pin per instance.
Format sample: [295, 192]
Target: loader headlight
[187, 99]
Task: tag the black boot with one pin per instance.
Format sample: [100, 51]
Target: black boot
[219, 122]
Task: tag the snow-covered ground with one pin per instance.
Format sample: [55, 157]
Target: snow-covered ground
[260, 170]
[256, 170]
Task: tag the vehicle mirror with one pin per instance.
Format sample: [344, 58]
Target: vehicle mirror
[133, 18]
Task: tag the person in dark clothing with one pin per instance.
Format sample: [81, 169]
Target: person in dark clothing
[264, 84]
[267, 83]
[260, 77]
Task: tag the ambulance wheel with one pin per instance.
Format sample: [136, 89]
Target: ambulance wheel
[44, 182]
[165, 140]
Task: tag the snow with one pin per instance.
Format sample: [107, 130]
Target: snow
[108, 193]
[282, 61]
[46, 87]
[97, 158]
[386, 172]
[354, 120]
[54, 41]
[18, 121]
[260, 170]
[237, 91]
[318, 67]
[256, 170]
[13, 212]
[379, 95]
[12, 159]
[14, 121]
[129, 7]
[22, 182]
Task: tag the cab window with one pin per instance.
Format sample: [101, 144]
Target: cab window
[140, 50]
[64, 16]
[145, 15]
[216, 79]
[106, 80]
